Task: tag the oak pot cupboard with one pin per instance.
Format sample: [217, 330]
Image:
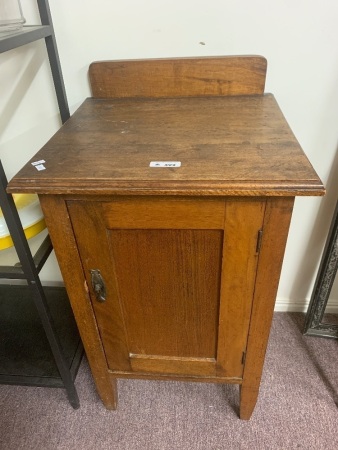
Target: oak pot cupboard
[169, 218]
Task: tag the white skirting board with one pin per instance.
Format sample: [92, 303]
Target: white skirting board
[285, 304]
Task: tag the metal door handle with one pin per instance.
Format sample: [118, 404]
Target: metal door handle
[98, 285]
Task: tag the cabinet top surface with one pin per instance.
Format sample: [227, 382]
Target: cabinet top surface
[226, 146]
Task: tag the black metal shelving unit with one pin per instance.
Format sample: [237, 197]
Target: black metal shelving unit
[39, 340]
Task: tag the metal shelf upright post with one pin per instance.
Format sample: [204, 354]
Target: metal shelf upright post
[66, 350]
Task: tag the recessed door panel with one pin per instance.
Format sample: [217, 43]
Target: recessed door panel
[169, 286]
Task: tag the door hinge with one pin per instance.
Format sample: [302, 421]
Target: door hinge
[243, 358]
[259, 240]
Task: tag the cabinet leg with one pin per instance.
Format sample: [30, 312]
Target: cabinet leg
[248, 399]
[108, 392]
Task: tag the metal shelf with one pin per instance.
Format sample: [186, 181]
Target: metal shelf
[16, 272]
[25, 36]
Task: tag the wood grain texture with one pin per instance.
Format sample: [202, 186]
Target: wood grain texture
[276, 226]
[238, 146]
[174, 377]
[169, 287]
[165, 213]
[162, 284]
[95, 254]
[243, 220]
[168, 365]
[177, 77]
[182, 292]
[66, 251]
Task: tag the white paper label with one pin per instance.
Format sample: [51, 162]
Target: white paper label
[36, 163]
[165, 164]
[40, 167]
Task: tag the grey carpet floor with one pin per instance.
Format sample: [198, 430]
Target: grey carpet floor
[297, 407]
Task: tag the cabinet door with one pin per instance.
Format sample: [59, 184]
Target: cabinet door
[179, 278]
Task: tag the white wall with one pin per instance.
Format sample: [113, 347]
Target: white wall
[299, 39]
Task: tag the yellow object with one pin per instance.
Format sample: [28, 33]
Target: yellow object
[30, 215]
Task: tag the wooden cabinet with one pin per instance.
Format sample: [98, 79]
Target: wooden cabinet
[172, 272]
